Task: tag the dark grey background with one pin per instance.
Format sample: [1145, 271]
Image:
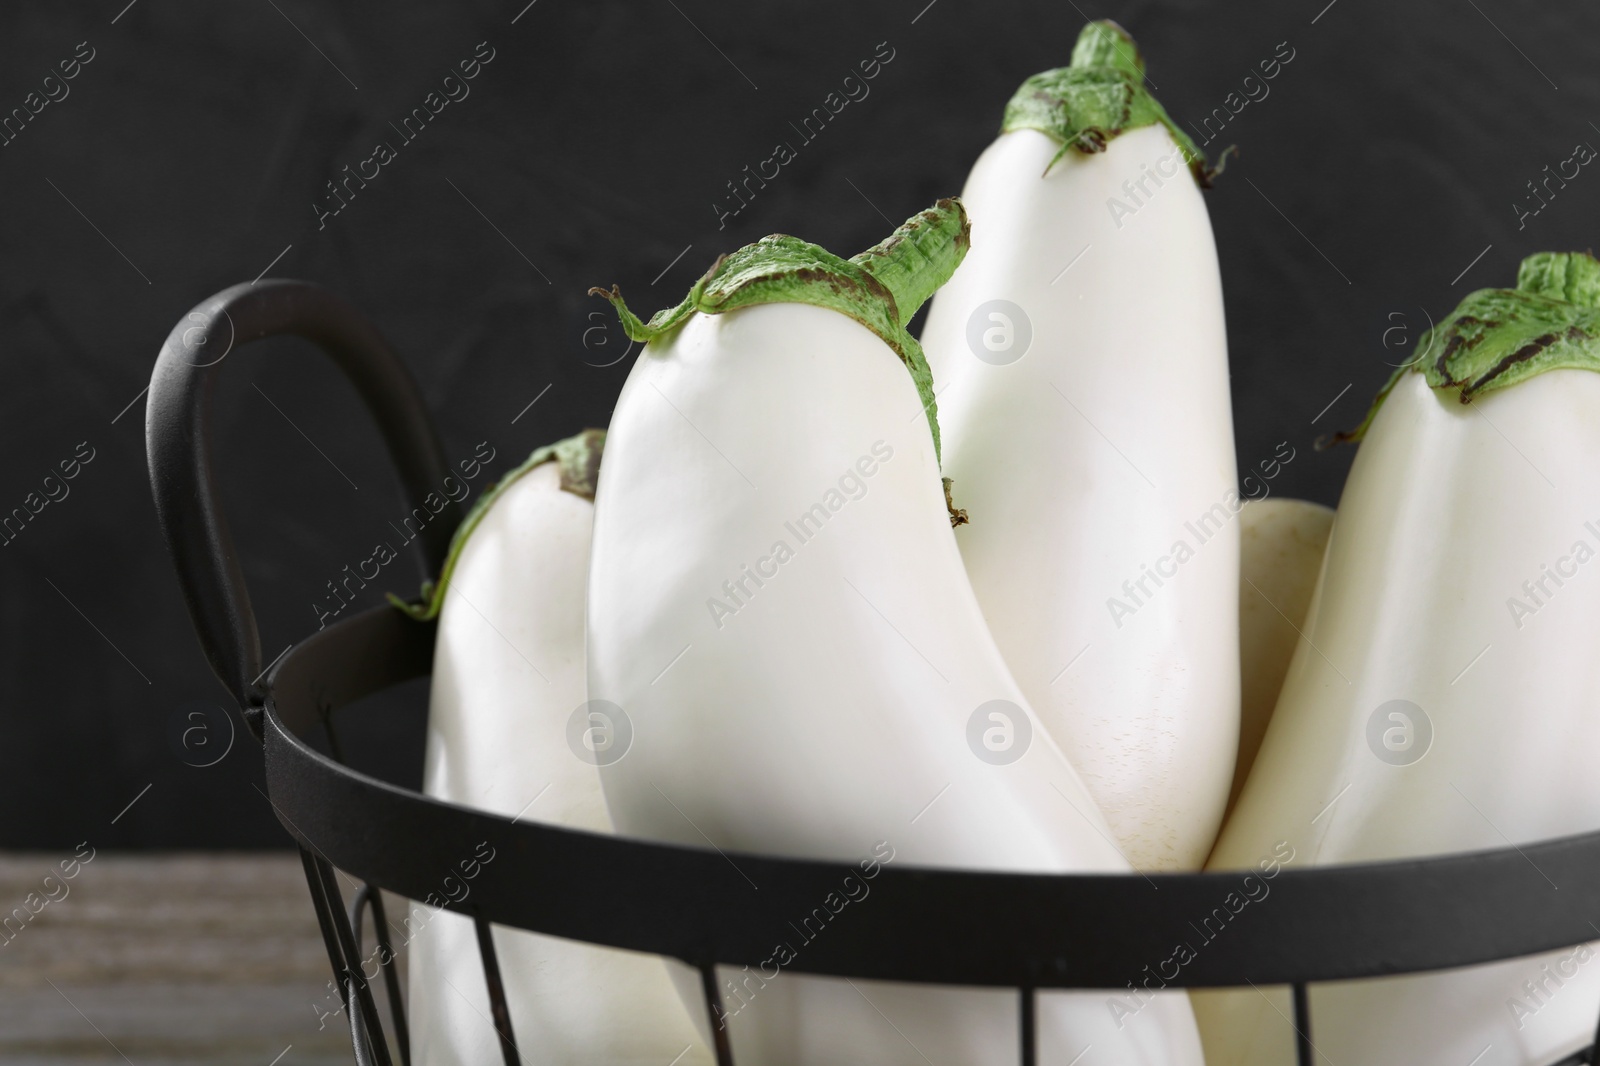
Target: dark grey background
[188, 155]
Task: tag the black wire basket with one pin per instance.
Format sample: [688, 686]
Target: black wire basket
[1092, 931]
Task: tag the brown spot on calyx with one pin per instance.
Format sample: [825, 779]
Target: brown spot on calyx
[887, 248]
[880, 291]
[1521, 355]
[715, 268]
[1440, 364]
[1477, 338]
[1092, 140]
[899, 349]
[958, 516]
[963, 238]
[844, 285]
[811, 274]
[827, 277]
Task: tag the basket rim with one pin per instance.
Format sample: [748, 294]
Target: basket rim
[939, 925]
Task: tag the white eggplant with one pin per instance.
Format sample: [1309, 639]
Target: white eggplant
[1083, 373]
[508, 675]
[1281, 542]
[777, 604]
[1443, 696]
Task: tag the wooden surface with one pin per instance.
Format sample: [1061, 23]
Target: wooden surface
[153, 959]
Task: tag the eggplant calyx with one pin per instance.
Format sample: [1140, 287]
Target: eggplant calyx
[579, 459]
[881, 288]
[1102, 94]
[1497, 338]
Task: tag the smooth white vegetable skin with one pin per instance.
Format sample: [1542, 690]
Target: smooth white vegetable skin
[508, 671]
[831, 711]
[1081, 463]
[1446, 512]
[1281, 544]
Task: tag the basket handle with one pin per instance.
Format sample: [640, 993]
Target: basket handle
[178, 424]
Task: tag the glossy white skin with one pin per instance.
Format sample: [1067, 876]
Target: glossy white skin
[830, 712]
[497, 740]
[1281, 545]
[1446, 512]
[1068, 504]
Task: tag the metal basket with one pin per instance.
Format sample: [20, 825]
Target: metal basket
[1037, 931]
